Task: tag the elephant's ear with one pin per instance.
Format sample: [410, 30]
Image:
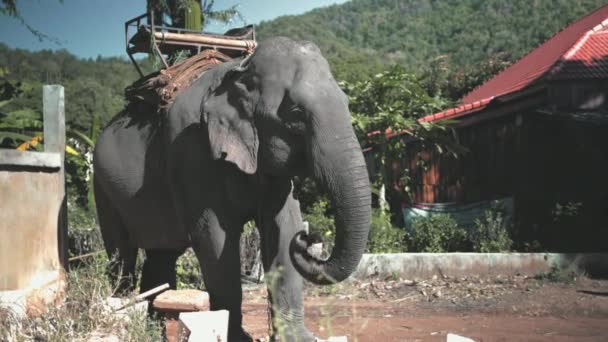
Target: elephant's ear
[233, 139]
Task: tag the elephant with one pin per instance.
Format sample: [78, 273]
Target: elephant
[225, 153]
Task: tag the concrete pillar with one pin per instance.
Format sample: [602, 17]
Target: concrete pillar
[53, 99]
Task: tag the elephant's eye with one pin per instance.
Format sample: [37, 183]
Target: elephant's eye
[292, 116]
[294, 120]
[297, 128]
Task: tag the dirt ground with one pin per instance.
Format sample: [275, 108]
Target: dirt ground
[483, 309]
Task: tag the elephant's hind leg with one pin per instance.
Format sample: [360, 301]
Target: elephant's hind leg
[159, 268]
[121, 252]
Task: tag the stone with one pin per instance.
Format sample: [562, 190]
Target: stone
[182, 301]
[206, 326]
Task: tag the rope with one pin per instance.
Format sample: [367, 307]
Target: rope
[161, 88]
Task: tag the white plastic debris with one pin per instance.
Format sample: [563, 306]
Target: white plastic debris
[457, 338]
[334, 339]
[206, 325]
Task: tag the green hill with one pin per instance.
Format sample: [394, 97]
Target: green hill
[366, 34]
[358, 37]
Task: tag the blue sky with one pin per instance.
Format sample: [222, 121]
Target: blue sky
[89, 28]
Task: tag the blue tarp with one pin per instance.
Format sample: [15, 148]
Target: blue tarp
[463, 214]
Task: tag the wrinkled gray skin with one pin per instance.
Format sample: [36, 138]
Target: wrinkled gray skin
[225, 154]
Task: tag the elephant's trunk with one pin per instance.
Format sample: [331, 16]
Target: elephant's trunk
[340, 168]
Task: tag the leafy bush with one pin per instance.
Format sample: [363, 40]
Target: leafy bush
[250, 250]
[437, 234]
[566, 210]
[321, 223]
[308, 192]
[557, 274]
[384, 237]
[188, 271]
[83, 232]
[491, 233]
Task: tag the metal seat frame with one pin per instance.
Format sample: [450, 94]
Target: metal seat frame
[163, 40]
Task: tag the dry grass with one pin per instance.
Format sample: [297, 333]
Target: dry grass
[83, 314]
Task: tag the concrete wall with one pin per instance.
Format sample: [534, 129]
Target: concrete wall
[423, 265]
[33, 221]
[28, 227]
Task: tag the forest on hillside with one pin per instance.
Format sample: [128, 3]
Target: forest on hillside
[451, 45]
[94, 87]
[363, 36]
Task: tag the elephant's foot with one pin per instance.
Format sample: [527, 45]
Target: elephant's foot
[239, 335]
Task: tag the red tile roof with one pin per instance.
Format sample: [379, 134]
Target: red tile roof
[580, 51]
[458, 111]
[587, 60]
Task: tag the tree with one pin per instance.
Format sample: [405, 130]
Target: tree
[9, 8]
[414, 32]
[454, 82]
[385, 110]
[389, 102]
[182, 13]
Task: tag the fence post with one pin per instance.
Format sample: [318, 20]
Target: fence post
[53, 101]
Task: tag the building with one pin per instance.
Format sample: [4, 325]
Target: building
[537, 135]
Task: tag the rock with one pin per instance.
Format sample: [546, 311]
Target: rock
[182, 300]
[206, 326]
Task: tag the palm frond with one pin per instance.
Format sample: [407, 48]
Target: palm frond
[13, 136]
[81, 137]
[225, 16]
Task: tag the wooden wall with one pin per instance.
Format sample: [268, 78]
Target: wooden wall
[540, 160]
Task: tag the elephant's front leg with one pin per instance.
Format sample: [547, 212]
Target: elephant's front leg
[215, 241]
[281, 220]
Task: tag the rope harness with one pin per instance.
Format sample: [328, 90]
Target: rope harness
[160, 89]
